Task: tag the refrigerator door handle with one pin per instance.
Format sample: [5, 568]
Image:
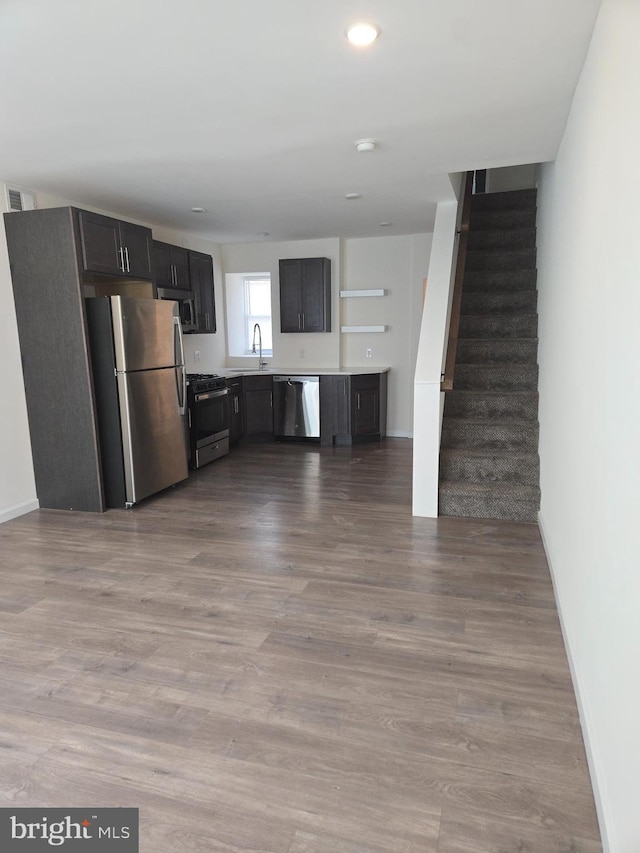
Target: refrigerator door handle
[179, 360]
[183, 402]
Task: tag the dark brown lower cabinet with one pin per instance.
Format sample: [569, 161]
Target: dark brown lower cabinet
[258, 406]
[353, 408]
[236, 408]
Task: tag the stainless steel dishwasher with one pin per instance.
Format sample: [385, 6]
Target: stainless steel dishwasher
[296, 406]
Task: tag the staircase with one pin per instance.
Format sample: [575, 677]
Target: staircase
[489, 466]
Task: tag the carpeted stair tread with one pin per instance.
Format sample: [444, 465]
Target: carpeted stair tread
[514, 491]
[495, 220]
[486, 466]
[497, 259]
[479, 434]
[496, 377]
[497, 281]
[519, 302]
[511, 200]
[497, 351]
[510, 405]
[498, 326]
[501, 240]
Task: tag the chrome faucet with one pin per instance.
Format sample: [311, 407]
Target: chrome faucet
[261, 364]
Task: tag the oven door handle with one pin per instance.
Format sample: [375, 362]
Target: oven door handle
[210, 395]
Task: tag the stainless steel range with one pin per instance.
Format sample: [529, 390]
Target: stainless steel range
[208, 413]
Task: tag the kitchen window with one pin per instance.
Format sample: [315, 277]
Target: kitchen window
[247, 302]
[257, 309]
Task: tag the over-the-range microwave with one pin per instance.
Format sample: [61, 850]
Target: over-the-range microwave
[187, 305]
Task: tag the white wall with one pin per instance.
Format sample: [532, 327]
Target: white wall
[428, 399]
[398, 265]
[589, 304]
[17, 483]
[512, 178]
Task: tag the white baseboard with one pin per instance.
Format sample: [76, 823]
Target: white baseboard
[399, 433]
[19, 509]
[602, 811]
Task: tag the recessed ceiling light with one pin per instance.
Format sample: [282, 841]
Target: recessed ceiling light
[198, 209]
[263, 233]
[384, 224]
[362, 33]
[353, 195]
[364, 145]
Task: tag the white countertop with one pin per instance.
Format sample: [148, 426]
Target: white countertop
[229, 372]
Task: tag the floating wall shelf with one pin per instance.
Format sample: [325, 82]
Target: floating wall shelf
[352, 293]
[364, 328]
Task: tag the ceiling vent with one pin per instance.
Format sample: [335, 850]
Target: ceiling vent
[19, 199]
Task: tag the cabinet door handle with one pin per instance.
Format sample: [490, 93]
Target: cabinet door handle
[303, 322]
[206, 321]
[271, 399]
[358, 400]
[126, 254]
[121, 250]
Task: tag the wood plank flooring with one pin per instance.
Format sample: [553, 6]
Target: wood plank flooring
[277, 657]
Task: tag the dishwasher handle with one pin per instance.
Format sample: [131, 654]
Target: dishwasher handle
[296, 379]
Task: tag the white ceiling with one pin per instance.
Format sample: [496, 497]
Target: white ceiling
[250, 108]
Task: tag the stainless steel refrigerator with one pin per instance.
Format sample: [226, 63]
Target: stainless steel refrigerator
[140, 390]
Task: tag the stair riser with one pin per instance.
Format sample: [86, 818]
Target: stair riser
[490, 281]
[494, 259]
[497, 352]
[500, 303]
[504, 326]
[484, 406]
[514, 200]
[520, 238]
[466, 507]
[470, 435]
[517, 470]
[502, 219]
[496, 378]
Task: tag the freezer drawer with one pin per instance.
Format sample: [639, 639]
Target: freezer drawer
[296, 406]
[153, 431]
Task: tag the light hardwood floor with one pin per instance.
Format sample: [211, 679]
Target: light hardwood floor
[276, 656]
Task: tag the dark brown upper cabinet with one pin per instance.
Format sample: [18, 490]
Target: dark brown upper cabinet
[201, 273]
[305, 295]
[112, 247]
[171, 266]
